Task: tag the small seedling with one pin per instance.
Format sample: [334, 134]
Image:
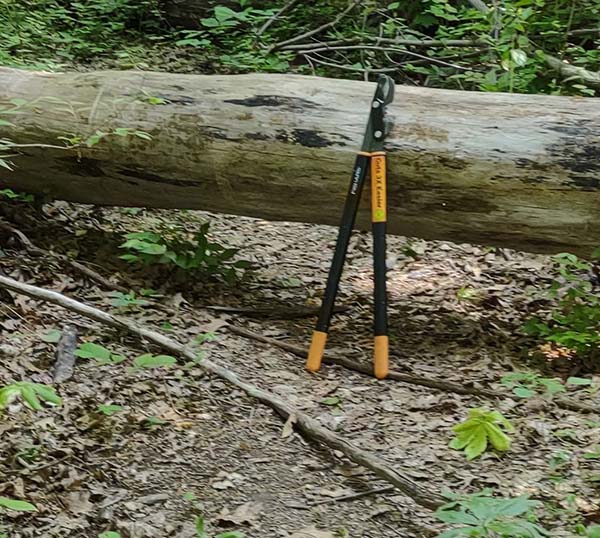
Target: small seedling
[481, 429]
[99, 353]
[527, 384]
[109, 409]
[32, 393]
[110, 534]
[481, 515]
[154, 361]
[126, 301]
[153, 422]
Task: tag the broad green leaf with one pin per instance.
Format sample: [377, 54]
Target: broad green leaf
[498, 439]
[8, 394]
[579, 381]
[454, 516]
[90, 350]
[30, 397]
[154, 361]
[52, 336]
[333, 400]
[47, 393]
[110, 534]
[518, 57]
[17, 506]
[477, 445]
[523, 392]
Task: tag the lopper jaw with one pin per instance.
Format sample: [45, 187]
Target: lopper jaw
[378, 127]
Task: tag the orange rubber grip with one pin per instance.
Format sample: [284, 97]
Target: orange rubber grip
[381, 362]
[315, 353]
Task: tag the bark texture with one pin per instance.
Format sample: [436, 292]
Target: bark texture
[518, 171]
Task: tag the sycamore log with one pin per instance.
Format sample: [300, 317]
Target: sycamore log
[518, 171]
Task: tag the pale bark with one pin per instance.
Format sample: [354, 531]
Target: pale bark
[519, 171]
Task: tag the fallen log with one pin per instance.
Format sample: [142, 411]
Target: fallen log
[518, 171]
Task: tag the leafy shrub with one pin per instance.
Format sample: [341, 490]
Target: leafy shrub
[196, 255]
[574, 324]
[481, 429]
[484, 516]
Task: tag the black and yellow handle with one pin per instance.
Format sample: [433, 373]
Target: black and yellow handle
[317, 345]
[379, 220]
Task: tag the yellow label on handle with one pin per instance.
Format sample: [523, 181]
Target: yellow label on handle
[378, 188]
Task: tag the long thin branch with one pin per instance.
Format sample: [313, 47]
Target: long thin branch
[421, 43]
[272, 19]
[350, 67]
[308, 426]
[318, 30]
[385, 49]
[430, 382]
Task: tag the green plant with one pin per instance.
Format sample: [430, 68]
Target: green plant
[32, 393]
[574, 325]
[482, 428]
[191, 254]
[527, 384]
[483, 516]
[594, 455]
[16, 506]
[201, 531]
[110, 534]
[99, 353]
[126, 301]
[109, 409]
[593, 531]
[15, 196]
[154, 361]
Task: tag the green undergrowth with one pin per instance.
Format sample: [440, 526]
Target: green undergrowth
[231, 38]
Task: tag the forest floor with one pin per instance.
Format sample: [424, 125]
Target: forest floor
[184, 442]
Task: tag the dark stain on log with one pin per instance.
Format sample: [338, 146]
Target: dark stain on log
[154, 178]
[292, 103]
[256, 136]
[310, 139]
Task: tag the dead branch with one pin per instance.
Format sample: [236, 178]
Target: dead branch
[421, 43]
[36, 251]
[289, 5]
[433, 383]
[308, 426]
[383, 49]
[321, 28]
[65, 354]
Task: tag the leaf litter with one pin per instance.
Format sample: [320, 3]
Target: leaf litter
[454, 314]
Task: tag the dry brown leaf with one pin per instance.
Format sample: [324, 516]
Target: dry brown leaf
[245, 514]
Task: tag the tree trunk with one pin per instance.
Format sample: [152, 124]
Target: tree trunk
[518, 171]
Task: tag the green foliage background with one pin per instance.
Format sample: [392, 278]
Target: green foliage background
[509, 56]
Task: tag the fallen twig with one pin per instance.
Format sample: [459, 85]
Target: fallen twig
[65, 354]
[308, 426]
[438, 384]
[36, 251]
